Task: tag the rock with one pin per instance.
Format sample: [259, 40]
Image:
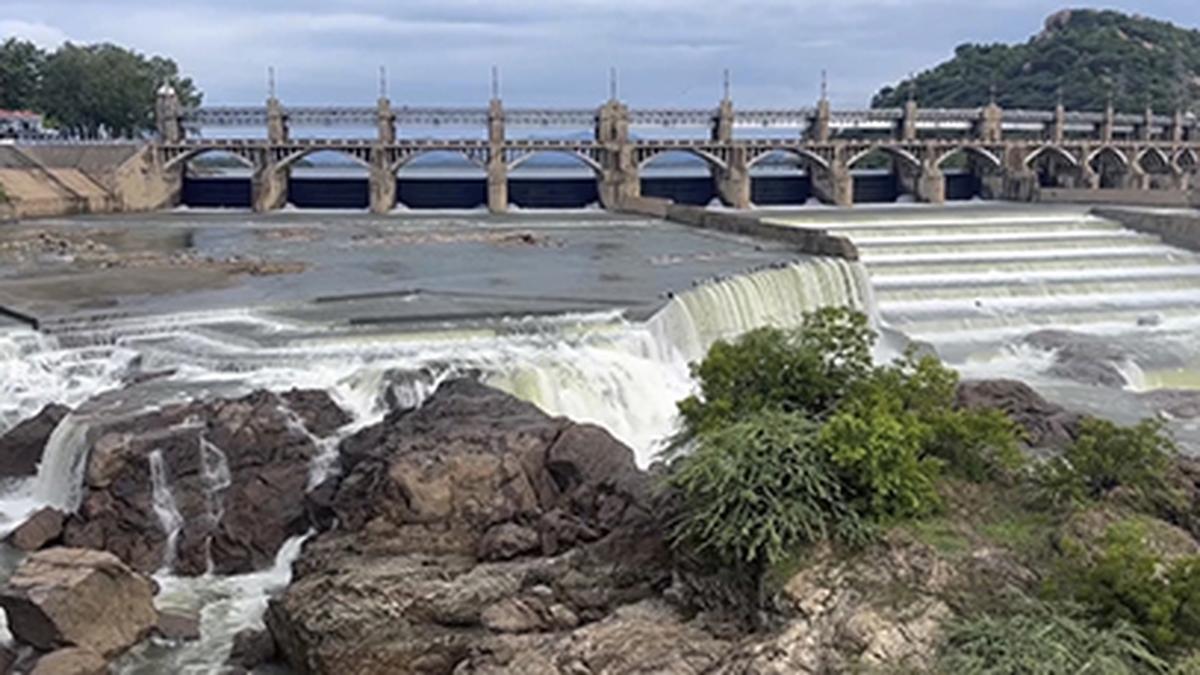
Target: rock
[65, 597]
[507, 541]
[71, 661]
[1080, 357]
[43, 527]
[252, 647]
[1181, 404]
[179, 625]
[1046, 425]
[237, 470]
[473, 516]
[21, 448]
[8, 658]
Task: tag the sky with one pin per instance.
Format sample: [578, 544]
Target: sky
[549, 52]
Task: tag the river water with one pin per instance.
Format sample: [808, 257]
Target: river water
[598, 321]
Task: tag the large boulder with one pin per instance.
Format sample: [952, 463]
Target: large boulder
[471, 517]
[40, 529]
[65, 597]
[1046, 425]
[71, 661]
[22, 447]
[232, 476]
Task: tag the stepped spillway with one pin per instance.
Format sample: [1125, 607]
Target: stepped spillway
[951, 275]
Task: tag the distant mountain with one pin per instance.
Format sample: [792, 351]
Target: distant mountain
[1090, 55]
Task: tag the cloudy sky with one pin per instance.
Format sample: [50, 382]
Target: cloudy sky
[553, 52]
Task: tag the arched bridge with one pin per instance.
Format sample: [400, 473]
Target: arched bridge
[1013, 154]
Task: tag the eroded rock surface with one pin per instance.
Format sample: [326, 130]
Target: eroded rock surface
[63, 597]
[1046, 425]
[233, 478]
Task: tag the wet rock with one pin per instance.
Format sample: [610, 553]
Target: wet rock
[22, 447]
[42, 528]
[8, 658]
[65, 597]
[179, 625]
[71, 661]
[1082, 358]
[236, 471]
[1046, 425]
[1181, 404]
[252, 647]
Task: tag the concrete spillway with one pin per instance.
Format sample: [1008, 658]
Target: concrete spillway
[947, 276]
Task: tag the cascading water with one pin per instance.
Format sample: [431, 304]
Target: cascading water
[165, 508]
[601, 368]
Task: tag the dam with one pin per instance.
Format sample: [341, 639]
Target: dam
[587, 314]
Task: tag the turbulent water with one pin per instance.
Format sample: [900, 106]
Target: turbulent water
[602, 368]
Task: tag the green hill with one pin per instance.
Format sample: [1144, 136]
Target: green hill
[1089, 54]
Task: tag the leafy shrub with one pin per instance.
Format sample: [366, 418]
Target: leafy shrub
[1107, 456]
[808, 370]
[755, 489]
[879, 452]
[1042, 639]
[1129, 583]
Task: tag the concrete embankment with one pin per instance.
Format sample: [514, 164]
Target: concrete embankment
[51, 180]
[1177, 227]
[804, 240]
[1128, 197]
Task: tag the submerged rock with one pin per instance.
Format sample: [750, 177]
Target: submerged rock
[43, 527]
[1046, 425]
[231, 477]
[1084, 358]
[65, 597]
[22, 447]
[179, 625]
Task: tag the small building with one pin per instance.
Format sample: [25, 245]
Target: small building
[21, 124]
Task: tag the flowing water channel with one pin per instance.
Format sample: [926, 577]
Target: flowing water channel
[973, 283]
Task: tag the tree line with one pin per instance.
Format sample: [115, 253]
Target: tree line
[100, 90]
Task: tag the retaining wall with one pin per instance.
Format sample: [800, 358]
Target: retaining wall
[804, 240]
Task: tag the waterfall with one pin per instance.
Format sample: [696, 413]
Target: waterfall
[777, 297]
[165, 508]
[60, 476]
[628, 381]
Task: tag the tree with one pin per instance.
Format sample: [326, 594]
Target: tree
[92, 89]
[21, 65]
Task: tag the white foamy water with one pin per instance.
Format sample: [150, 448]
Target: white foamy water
[600, 368]
[949, 277]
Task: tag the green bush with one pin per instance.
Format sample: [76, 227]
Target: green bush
[1107, 456]
[1042, 639]
[808, 370]
[755, 489]
[1127, 582]
[879, 452]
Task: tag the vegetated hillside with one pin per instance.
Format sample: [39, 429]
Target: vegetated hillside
[1089, 54]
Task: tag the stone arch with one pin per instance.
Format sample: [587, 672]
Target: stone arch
[903, 156]
[1050, 151]
[360, 157]
[989, 159]
[1155, 161]
[1108, 154]
[408, 158]
[714, 163]
[1186, 160]
[580, 157]
[183, 159]
[808, 158]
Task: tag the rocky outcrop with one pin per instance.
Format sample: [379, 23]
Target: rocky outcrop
[62, 598]
[71, 661]
[1084, 358]
[231, 476]
[22, 447]
[1046, 425]
[479, 536]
